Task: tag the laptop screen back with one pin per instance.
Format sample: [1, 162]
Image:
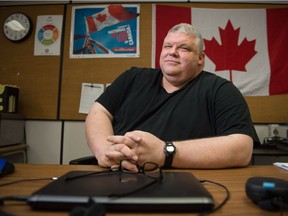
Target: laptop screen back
[177, 192]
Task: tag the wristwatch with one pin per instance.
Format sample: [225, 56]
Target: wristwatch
[169, 150]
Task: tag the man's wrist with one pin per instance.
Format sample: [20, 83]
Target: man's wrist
[169, 150]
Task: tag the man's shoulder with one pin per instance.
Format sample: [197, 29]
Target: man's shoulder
[212, 81]
[210, 75]
[213, 78]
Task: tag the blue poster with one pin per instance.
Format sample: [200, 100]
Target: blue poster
[106, 31]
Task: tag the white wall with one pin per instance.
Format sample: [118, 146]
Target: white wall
[44, 140]
[75, 145]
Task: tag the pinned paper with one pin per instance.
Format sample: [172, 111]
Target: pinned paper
[48, 35]
[89, 93]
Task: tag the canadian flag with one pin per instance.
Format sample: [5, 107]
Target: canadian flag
[246, 46]
[110, 15]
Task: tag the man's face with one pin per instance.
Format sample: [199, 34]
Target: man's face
[180, 59]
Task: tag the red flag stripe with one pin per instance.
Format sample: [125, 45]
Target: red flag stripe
[181, 15]
[91, 24]
[120, 13]
[277, 35]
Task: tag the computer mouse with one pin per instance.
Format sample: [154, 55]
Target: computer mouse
[6, 167]
[268, 193]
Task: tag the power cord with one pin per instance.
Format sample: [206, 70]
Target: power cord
[13, 198]
[26, 180]
[18, 198]
[281, 203]
[224, 201]
[3, 213]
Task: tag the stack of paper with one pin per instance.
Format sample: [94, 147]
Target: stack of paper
[281, 165]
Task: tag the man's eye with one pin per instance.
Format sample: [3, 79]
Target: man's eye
[184, 49]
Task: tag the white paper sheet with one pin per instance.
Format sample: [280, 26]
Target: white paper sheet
[281, 165]
[89, 93]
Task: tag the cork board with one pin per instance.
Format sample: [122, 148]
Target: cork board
[36, 76]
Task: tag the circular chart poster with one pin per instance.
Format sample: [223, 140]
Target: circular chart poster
[48, 34]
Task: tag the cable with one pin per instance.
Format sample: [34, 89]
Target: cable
[225, 200]
[26, 180]
[3, 213]
[13, 198]
[281, 203]
[19, 198]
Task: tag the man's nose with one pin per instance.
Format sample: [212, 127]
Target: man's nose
[173, 50]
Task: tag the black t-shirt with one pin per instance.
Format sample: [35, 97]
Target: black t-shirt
[207, 106]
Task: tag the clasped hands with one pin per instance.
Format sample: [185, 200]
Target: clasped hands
[138, 145]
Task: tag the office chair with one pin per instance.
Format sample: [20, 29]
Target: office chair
[88, 160]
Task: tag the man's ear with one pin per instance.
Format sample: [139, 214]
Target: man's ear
[201, 61]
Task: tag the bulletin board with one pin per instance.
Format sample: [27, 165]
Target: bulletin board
[50, 87]
[36, 76]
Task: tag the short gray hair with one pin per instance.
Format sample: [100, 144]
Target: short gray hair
[191, 30]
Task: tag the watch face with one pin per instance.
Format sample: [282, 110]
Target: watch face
[170, 148]
[17, 27]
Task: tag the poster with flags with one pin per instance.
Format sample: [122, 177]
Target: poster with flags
[105, 31]
[246, 46]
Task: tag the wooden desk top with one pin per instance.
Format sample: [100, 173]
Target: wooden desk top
[233, 179]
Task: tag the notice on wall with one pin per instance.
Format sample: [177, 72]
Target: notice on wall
[48, 35]
[89, 93]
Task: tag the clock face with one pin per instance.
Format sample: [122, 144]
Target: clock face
[17, 27]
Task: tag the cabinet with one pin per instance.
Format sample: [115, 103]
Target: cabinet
[12, 137]
[267, 156]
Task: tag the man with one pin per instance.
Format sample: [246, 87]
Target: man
[179, 116]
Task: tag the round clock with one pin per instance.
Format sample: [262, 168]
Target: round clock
[17, 27]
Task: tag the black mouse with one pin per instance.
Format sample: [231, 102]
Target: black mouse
[6, 167]
[268, 193]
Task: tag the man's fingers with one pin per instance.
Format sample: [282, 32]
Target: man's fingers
[121, 152]
[126, 164]
[133, 136]
[122, 140]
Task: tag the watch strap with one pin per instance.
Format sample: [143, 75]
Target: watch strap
[169, 155]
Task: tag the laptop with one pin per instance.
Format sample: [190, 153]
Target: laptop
[177, 192]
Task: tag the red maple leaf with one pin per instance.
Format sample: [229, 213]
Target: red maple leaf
[101, 17]
[230, 56]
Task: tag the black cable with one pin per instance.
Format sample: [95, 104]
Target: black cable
[26, 180]
[3, 213]
[281, 203]
[18, 198]
[13, 198]
[225, 200]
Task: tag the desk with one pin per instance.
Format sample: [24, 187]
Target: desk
[233, 179]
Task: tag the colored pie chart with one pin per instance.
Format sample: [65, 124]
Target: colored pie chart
[48, 34]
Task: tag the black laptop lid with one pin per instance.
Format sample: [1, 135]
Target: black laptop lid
[177, 192]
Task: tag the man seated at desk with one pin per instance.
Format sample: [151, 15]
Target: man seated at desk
[178, 116]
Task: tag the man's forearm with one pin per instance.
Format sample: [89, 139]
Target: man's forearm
[98, 128]
[218, 152]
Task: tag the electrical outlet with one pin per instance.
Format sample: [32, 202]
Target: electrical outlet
[273, 130]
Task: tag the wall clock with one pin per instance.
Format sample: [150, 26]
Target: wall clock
[17, 27]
